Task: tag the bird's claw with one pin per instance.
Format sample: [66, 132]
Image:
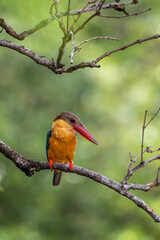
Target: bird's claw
[51, 163]
[71, 166]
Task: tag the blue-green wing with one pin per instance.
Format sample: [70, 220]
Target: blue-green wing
[47, 141]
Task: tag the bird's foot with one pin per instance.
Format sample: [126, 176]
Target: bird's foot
[71, 166]
[51, 163]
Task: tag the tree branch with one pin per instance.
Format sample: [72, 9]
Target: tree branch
[107, 54]
[45, 22]
[57, 66]
[105, 6]
[142, 163]
[23, 35]
[27, 52]
[143, 128]
[124, 16]
[29, 167]
[59, 69]
[76, 47]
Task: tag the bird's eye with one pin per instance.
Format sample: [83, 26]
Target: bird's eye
[72, 120]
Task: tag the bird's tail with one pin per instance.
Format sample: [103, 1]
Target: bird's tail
[56, 177]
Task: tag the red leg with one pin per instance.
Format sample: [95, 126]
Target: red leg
[71, 166]
[51, 163]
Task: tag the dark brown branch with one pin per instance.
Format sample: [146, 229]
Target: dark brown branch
[107, 54]
[157, 177]
[141, 165]
[140, 203]
[124, 16]
[57, 66]
[79, 15]
[27, 52]
[45, 22]
[29, 167]
[153, 117]
[105, 6]
[59, 69]
[23, 35]
[131, 171]
[98, 8]
[84, 24]
[143, 129]
[43, 60]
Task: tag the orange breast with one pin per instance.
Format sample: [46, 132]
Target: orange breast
[62, 143]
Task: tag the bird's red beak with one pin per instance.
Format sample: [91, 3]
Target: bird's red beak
[84, 132]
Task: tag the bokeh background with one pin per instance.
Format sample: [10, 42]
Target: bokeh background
[110, 101]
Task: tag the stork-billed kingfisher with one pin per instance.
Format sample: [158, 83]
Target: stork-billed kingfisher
[62, 141]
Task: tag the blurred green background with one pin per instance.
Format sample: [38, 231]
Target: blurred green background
[110, 101]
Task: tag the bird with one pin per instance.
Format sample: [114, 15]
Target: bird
[62, 141]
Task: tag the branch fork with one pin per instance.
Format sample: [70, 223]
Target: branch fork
[70, 29]
[29, 167]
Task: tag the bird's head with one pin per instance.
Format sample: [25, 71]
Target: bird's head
[77, 125]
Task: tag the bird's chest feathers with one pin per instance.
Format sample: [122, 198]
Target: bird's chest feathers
[63, 142]
[63, 132]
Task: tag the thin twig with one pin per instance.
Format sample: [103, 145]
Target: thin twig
[100, 6]
[75, 48]
[149, 150]
[153, 117]
[157, 178]
[51, 8]
[130, 171]
[68, 13]
[141, 165]
[107, 54]
[94, 38]
[57, 8]
[83, 9]
[84, 24]
[143, 129]
[124, 16]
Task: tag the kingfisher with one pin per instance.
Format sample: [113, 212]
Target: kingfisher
[62, 141]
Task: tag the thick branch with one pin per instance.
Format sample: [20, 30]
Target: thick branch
[30, 166]
[23, 35]
[58, 70]
[57, 66]
[27, 52]
[43, 60]
[105, 6]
